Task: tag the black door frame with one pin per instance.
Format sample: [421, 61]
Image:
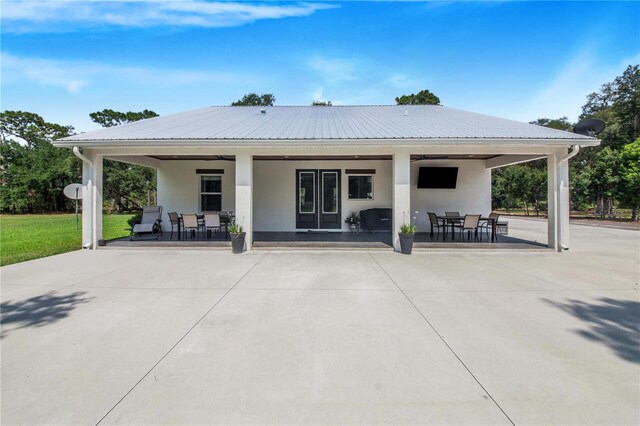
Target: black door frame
[330, 220]
[307, 220]
[317, 219]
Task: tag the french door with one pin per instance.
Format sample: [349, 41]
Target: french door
[318, 199]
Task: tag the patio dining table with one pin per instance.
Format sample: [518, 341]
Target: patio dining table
[225, 219]
[452, 220]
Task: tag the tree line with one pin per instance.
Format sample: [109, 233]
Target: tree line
[601, 177]
[33, 172]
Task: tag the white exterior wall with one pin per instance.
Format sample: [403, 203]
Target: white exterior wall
[471, 196]
[179, 186]
[274, 190]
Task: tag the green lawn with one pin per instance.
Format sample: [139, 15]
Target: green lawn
[26, 237]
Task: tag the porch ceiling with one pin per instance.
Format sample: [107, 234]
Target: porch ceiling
[321, 157]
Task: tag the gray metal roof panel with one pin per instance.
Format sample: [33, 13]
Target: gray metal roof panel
[326, 123]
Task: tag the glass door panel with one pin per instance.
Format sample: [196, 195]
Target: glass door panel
[307, 192]
[329, 192]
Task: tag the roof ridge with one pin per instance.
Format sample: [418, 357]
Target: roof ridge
[315, 106]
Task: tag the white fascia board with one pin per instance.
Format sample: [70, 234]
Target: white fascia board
[325, 143]
[325, 150]
[507, 160]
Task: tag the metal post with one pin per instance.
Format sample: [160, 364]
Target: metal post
[77, 207]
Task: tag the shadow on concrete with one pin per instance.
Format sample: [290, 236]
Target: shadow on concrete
[611, 322]
[38, 311]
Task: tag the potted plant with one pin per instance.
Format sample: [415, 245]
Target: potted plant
[406, 236]
[353, 220]
[237, 237]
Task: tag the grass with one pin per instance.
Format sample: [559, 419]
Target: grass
[27, 237]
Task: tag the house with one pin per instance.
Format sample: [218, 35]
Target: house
[292, 168]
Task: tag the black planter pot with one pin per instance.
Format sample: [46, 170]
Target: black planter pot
[406, 243]
[237, 242]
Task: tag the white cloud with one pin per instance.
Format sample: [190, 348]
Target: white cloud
[333, 70]
[402, 81]
[565, 94]
[318, 95]
[73, 76]
[66, 15]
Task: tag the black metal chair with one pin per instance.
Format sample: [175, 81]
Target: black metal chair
[190, 224]
[470, 223]
[174, 220]
[437, 223]
[487, 224]
[212, 223]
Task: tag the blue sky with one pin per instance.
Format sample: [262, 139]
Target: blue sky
[520, 60]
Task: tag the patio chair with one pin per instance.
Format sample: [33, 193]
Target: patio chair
[454, 214]
[437, 223]
[470, 223]
[190, 224]
[148, 227]
[174, 219]
[212, 222]
[486, 225]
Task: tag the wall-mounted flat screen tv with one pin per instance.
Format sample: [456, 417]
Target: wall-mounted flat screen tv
[437, 177]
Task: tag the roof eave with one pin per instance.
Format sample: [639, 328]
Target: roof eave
[270, 143]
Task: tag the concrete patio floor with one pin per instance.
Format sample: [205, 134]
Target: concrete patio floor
[320, 337]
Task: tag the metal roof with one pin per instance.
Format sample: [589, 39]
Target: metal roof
[382, 122]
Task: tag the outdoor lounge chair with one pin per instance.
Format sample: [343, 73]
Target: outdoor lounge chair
[149, 225]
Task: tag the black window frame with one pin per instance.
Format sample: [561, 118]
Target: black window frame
[357, 176]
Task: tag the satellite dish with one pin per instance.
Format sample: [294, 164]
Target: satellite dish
[589, 127]
[73, 191]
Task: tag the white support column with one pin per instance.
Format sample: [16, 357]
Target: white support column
[401, 194]
[87, 205]
[552, 178]
[563, 207]
[558, 200]
[244, 195]
[97, 199]
[91, 200]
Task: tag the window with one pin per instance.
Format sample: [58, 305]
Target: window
[210, 193]
[361, 187]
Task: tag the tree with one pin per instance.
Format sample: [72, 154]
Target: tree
[603, 173]
[110, 118]
[561, 123]
[33, 172]
[618, 104]
[126, 185]
[321, 103]
[30, 127]
[253, 99]
[630, 177]
[424, 97]
[520, 185]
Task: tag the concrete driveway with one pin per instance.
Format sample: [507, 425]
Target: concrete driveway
[202, 337]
